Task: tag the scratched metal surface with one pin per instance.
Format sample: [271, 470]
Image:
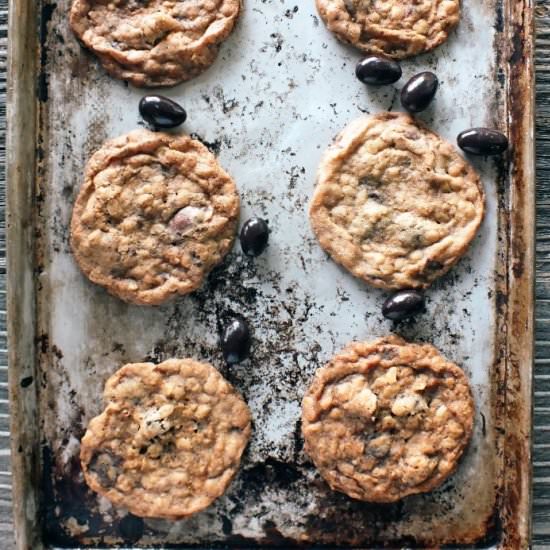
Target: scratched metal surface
[266, 110]
[268, 120]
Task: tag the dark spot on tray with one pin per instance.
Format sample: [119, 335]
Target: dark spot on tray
[298, 440]
[518, 265]
[67, 191]
[483, 425]
[290, 12]
[26, 382]
[43, 343]
[227, 525]
[131, 528]
[271, 472]
[45, 18]
[118, 347]
[66, 497]
[328, 526]
[213, 146]
[278, 41]
[499, 20]
[501, 299]
[274, 537]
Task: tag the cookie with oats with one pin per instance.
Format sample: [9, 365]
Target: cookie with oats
[169, 441]
[393, 28]
[154, 42]
[394, 203]
[155, 214]
[387, 419]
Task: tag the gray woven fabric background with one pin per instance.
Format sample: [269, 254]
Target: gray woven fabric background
[541, 463]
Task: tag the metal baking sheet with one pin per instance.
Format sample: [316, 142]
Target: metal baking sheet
[279, 92]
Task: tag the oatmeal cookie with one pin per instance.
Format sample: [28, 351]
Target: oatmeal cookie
[393, 28]
[394, 203]
[169, 441]
[155, 214]
[387, 419]
[154, 42]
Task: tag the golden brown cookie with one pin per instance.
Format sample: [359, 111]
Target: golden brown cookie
[387, 419]
[394, 28]
[155, 214]
[169, 441]
[394, 203]
[154, 42]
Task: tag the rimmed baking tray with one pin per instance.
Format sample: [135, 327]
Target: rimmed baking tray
[280, 90]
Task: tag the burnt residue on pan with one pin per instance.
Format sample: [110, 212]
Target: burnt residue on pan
[516, 502]
[277, 499]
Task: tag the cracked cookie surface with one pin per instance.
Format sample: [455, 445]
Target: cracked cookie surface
[387, 419]
[169, 441]
[155, 214]
[154, 42]
[394, 28]
[394, 203]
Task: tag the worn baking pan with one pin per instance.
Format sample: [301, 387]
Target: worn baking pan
[281, 89]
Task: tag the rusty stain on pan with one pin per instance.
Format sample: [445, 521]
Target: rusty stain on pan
[517, 446]
[278, 500]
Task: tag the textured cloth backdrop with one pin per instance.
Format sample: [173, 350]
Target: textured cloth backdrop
[541, 470]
